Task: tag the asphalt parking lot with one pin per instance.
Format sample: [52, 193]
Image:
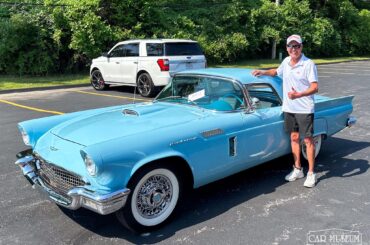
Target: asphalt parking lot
[253, 207]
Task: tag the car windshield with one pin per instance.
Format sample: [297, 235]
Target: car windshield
[206, 92]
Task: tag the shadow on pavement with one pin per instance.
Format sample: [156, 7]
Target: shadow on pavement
[132, 90]
[217, 198]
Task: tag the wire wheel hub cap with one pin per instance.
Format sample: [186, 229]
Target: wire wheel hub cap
[154, 196]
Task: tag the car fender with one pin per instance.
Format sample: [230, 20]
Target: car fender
[98, 67]
[157, 157]
[320, 126]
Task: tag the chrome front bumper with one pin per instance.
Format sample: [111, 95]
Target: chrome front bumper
[351, 121]
[76, 197]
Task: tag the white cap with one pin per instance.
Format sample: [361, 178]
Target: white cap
[294, 37]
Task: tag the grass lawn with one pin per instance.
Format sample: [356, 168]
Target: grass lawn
[17, 82]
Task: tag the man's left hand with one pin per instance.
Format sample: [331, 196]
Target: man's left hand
[294, 94]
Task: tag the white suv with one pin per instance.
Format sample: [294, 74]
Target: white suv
[147, 64]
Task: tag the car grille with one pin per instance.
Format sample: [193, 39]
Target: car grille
[57, 178]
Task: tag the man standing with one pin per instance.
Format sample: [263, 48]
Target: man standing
[300, 82]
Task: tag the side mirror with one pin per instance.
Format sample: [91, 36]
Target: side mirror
[105, 54]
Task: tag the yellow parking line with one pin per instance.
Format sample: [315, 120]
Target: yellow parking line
[31, 108]
[108, 95]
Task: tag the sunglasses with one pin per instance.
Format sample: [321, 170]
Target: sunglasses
[295, 46]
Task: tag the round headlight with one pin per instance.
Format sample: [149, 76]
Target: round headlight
[90, 166]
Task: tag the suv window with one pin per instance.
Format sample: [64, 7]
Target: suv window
[117, 52]
[176, 49]
[131, 49]
[154, 49]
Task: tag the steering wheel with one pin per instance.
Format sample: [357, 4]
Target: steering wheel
[233, 96]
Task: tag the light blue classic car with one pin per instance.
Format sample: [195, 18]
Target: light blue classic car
[137, 160]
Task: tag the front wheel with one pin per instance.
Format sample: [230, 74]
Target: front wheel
[97, 80]
[317, 141]
[154, 196]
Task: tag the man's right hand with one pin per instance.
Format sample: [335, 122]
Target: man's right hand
[271, 72]
[257, 73]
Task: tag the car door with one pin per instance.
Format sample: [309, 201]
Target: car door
[112, 68]
[129, 63]
[263, 137]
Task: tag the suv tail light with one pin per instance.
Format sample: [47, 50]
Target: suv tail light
[164, 64]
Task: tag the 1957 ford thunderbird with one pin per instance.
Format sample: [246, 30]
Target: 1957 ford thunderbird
[136, 160]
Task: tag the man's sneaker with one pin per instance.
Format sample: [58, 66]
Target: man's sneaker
[310, 180]
[295, 174]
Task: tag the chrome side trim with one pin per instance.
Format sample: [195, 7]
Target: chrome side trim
[213, 132]
[102, 203]
[351, 121]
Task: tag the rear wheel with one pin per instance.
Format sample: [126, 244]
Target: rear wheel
[155, 192]
[145, 85]
[97, 80]
[317, 141]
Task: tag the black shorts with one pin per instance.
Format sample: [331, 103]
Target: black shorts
[296, 122]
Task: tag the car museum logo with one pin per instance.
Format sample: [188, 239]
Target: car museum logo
[334, 237]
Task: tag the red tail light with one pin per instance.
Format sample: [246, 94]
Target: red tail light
[164, 64]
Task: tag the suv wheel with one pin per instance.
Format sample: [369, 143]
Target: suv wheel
[97, 80]
[145, 85]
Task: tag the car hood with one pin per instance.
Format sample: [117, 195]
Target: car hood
[125, 121]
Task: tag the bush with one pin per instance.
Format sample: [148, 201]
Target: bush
[25, 47]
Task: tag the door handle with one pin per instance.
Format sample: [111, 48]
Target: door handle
[135, 62]
[117, 62]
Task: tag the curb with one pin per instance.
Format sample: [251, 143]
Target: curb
[8, 91]
[347, 61]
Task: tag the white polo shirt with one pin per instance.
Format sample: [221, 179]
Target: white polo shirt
[298, 77]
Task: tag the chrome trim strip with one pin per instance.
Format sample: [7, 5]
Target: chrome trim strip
[76, 197]
[213, 132]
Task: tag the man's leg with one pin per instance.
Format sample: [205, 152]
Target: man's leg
[291, 127]
[306, 126]
[296, 150]
[310, 148]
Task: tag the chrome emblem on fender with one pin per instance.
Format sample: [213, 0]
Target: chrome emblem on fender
[52, 148]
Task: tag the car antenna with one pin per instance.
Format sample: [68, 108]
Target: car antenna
[133, 101]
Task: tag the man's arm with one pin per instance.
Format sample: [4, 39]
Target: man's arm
[313, 89]
[270, 72]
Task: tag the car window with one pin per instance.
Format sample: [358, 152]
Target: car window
[131, 49]
[117, 52]
[184, 48]
[206, 92]
[154, 49]
[263, 96]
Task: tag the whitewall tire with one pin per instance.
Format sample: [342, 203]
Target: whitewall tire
[154, 196]
[317, 141]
